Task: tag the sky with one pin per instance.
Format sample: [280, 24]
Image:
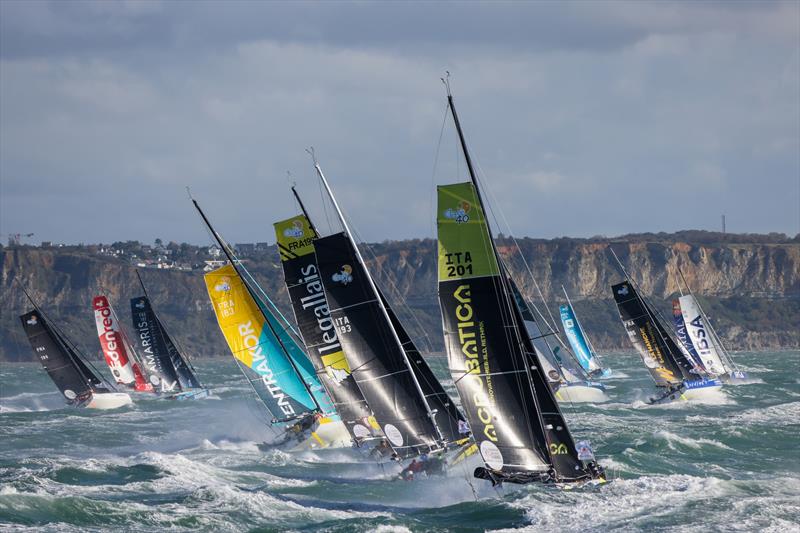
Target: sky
[584, 118]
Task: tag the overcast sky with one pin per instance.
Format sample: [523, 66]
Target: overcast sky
[586, 118]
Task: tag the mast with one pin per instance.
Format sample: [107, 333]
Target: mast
[380, 301]
[303, 209]
[252, 294]
[503, 281]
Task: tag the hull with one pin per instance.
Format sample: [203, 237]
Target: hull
[697, 391]
[327, 434]
[584, 392]
[108, 400]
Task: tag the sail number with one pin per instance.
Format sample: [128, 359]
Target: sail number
[458, 264]
[343, 325]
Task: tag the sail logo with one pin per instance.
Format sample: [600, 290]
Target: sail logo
[140, 304]
[479, 384]
[259, 363]
[295, 231]
[32, 320]
[224, 285]
[344, 276]
[315, 301]
[558, 449]
[623, 291]
[459, 214]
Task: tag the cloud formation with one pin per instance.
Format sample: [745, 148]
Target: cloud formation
[585, 117]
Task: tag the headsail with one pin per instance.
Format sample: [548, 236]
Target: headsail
[307, 294]
[117, 351]
[514, 416]
[682, 334]
[660, 353]
[255, 347]
[376, 360]
[700, 337]
[64, 366]
[577, 340]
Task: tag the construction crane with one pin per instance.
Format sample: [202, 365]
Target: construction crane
[15, 239]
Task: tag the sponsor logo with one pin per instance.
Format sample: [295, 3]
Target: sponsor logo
[344, 276]
[224, 284]
[315, 300]
[558, 449]
[460, 214]
[469, 333]
[622, 291]
[32, 320]
[584, 449]
[140, 304]
[259, 363]
[491, 455]
[294, 232]
[393, 434]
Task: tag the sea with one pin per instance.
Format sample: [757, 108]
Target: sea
[729, 464]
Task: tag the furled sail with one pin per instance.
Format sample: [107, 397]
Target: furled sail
[156, 348]
[699, 337]
[307, 294]
[514, 417]
[118, 353]
[256, 349]
[64, 366]
[376, 361]
[662, 357]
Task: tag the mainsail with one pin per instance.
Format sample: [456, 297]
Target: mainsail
[683, 335]
[307, 294]
[377, 361]
[118, 353]
[155, 346]
[661, 355]
[515, 419]
[256, 348]
[64, 366]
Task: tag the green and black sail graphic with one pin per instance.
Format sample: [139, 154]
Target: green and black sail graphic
[514, 417]
[306, 291]
[376, 361]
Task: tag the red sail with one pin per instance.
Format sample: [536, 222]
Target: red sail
[116, 350]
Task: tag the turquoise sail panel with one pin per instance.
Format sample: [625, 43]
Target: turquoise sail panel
[299, 357]
[577, 340]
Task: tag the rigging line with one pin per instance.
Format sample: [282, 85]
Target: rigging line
[322, 199]
[432, 195]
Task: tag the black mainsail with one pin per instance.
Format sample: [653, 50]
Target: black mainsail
[661, 355]
[514, 416]
[63, 364]
[296, 238]
[397, 383]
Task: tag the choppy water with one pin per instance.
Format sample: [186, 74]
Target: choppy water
[731, 465]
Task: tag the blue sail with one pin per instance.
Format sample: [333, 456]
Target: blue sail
[289, 339]
[580, 347]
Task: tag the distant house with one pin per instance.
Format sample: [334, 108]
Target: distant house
[245, 248]
[213, 265]
[262, 246]
[47, 244]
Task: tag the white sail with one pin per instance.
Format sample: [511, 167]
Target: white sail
[701, 336]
